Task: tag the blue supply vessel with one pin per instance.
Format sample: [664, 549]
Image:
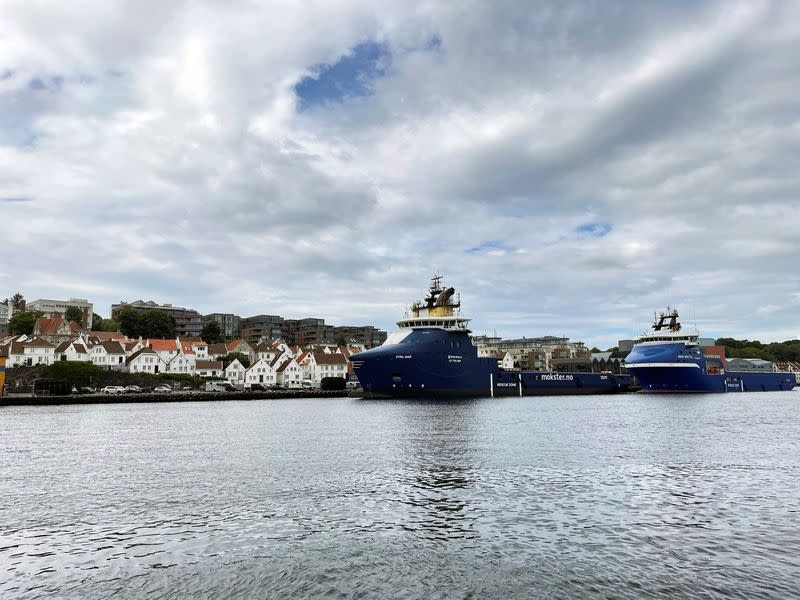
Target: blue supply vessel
[669, 359]
[432, 355]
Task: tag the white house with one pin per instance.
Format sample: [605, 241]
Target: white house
[289, 374]
[234, 373]
[321, 365]
[77, 351]
[260, 372]
[266, 352]
[109, 355]
[209, 368]
[167, 349]
[31, 352]
[146, 360]
[184, 364]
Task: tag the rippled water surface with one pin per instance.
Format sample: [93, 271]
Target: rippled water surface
[617, 496]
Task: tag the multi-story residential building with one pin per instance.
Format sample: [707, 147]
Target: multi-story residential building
[6, 312]
[309, 332]
[306, 332]
[228, 323]
[262, 327]
[367, 335]
[51, 307]
[188, 322]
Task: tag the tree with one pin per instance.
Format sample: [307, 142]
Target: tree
[595, 350]
[128, 319]
[341, 341]
[23, 321]
[73, 313]
[18, 301]
[212, 334]
[155, 323]
[231, 356]
[101, 324]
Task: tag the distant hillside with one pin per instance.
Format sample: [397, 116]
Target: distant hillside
[776, 351]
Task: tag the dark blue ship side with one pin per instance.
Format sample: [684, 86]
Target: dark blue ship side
[432, 355]
[668, 359]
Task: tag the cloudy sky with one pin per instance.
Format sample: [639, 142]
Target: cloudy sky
[570, 167]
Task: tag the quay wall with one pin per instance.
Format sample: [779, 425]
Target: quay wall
[174, 397]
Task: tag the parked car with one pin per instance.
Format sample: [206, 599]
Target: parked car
[219, 386]
[113, 389]
[133, 389]
[186, 387]
[87, 390]
[162, 389]
[308, 384]
[258, 387]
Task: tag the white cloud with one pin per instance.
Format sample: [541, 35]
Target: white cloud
[165, 156]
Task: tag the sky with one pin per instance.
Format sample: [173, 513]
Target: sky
[570, 167]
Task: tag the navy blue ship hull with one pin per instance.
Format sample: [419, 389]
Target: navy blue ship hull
[438, 363]
[674, 367]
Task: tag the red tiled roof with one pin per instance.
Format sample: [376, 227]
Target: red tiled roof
[162, 345]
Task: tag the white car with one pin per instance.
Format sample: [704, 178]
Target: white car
[162, 389]
[113, 389]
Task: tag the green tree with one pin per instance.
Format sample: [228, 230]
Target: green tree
[129, 322]
[101, 324]
[212, 334]
[341, 341]
[231, 356]
[73, 313]
[155, 323]
[23, 321]
[595, 350]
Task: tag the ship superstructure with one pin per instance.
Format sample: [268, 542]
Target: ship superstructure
[432, 355]
[669, 359]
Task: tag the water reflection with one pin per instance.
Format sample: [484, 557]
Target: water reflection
[439, 456]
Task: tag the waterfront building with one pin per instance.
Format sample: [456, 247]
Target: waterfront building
[318, 365]
[234, 373]
[209, 368]
[750, 364]
[229, 324]
[606, 361]
[188, 322]
[59, 307]
[31, 352]
[547, 348]
[261, 372]
[183, 363]
[109, 355]
[289, 374]
[146, 360]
